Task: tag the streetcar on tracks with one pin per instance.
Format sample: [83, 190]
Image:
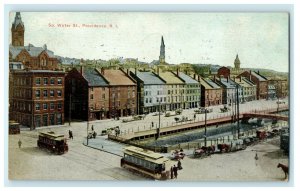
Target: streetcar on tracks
[14, 128]
[146, 162]
[53, 142]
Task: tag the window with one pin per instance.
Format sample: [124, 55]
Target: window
[45, 106]
[59, 93]
[91, 96]
[150, 100]
[52, 81]
[59, 106]
[37, 106]
[92, 88]
[37, 93]
[103, 96]
[51, 106]
[146, 100]
[59, 81]
[51, 93]
[38, 81]
[45, 81]
[45, 93]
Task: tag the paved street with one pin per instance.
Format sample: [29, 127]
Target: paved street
[85, 163]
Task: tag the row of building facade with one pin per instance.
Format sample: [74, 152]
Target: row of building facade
[40, 94]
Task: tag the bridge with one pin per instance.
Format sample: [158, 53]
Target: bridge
[265, 116]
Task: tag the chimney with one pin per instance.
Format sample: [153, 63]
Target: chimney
[214, 78]
[127, 71]
[157, 70]
[195, 76]
[102, 71]
[177, 71]
[241, 79]
[198, 78]
[258, 72]
[186, 72]
[81, 69]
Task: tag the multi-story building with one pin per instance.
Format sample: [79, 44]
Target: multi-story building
[211, 93]
[260, 81]
[229, 89]
[36, 86]
[122, 92]
[175, 90]
[281, 87]
[37, 97]
[152, 91]
[88, 93]
[192, 91]
[247, 90]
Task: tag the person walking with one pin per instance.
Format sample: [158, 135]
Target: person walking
[152, 124]
[175, 171]
[172, 175]
[92, 127]
[70, 134]
[20, 143]
[179, 167]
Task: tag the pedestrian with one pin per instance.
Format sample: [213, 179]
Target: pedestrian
[92, 127]
[71, 135]
[152, 124]
[175, 171]
[194, 117]
[20, 143]
[172, 172]
[179, 165]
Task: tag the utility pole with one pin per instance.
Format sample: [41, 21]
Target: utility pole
[205, 111]
[70, 103]
[158, 130]
[238, 111]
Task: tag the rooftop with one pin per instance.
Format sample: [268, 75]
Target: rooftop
[94, 78]
[32, 50]
[116, 77]
[170, 78]
[187, 79]
[149, 78]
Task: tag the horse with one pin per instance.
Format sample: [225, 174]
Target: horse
[209, 149]
[284, 168]
[222, 147]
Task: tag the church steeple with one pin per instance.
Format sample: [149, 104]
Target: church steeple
[237, 63]
[17, 31]
[162, 51]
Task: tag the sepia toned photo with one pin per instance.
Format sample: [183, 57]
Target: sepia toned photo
[146, 96]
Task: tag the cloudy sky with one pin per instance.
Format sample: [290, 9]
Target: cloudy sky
[260, 39]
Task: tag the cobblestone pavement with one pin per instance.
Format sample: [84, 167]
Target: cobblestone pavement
[85, 163]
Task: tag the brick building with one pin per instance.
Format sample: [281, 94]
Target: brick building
[259, 80]
[122, 92]
[37, 97]
[88, 93]
[36, 87]
[211, 93]
[223, 72]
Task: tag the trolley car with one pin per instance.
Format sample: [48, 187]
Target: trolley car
[14, 128]
[53, 142]
[146, 162]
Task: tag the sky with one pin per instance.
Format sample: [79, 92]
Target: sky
[260, 39]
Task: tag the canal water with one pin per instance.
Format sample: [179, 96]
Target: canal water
[212, 133]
